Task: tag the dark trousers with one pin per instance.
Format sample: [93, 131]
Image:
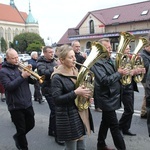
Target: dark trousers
[126, 118]
[24, 122]
[109, 120]
[147, 94]
[52, 117]
[37, 91]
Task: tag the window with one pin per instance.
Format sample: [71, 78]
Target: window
[9, 34]
[145, 12]
[91, 26]
[116, 17]
[1, 32]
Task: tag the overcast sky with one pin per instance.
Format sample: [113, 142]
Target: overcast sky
[56, 16]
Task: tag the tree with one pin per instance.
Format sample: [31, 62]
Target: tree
[24, 41]
[35, 46]
[3, 45]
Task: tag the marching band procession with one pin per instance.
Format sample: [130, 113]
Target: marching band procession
[71, 81]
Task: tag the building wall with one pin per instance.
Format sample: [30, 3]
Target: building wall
[128, 27]
[85, 27]
[8, 30]
[101, 29]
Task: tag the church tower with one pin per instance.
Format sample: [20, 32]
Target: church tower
[30, 19]
[12, 3]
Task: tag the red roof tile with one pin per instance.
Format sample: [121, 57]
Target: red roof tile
[8, 13]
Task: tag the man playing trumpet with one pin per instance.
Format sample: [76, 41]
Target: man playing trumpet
[18, 97]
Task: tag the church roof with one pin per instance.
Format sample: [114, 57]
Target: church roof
[11, 14]
[30, 19]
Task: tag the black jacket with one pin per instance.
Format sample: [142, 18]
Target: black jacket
[80, 59]
[68, 122]
[45, 68]
[17, 91]
[107, 85]
[146, 59]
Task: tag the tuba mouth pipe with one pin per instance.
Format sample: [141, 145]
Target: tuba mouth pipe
[81, 65]
[33, 74]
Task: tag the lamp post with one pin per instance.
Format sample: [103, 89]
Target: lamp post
[50, 39]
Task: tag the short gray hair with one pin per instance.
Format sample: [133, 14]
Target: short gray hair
[33, 53]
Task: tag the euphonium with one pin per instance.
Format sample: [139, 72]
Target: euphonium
[33, 74]
[122, 60]
[86, 77]
[136, 60]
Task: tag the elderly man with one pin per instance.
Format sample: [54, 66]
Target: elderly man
[37, 89]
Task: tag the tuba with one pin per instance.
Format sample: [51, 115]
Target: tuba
[86, 76]
[33, 74]
[136, 60]
[122, 60]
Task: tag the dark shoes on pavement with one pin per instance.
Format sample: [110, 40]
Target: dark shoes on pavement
[3, 99]
[16, 141]
[104, 148]
[59, 142]
[144, 116]
[52, 133]
[128, 132]
[40, 100]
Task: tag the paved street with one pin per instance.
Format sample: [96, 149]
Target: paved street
[39, 140]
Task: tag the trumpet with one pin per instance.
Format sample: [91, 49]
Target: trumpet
[33, 74]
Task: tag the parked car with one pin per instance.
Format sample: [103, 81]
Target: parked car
[24, 57]
[3, 56]
[113, 55]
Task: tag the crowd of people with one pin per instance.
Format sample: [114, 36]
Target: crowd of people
[67, 124]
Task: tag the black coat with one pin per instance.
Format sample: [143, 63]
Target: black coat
[46, 68]
[107, 85]
[17, 91]
[68, 121]
[80, 59]
[146, 59]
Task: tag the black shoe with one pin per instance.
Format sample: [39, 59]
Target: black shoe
[104, 148]
[144, 116]
[36, 100]
[40, 101]
[129, 133]
[59, 142]
[3, 99]
[51, 133]
[16, 142]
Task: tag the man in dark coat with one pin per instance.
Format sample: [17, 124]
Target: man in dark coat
[45, 66]
[80, 57]
[146, 84]
[18, 97]
[107, 95]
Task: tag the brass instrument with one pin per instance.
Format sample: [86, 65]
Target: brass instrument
[136, 60]
[122, 60]
[33, 74]
[85, 76]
